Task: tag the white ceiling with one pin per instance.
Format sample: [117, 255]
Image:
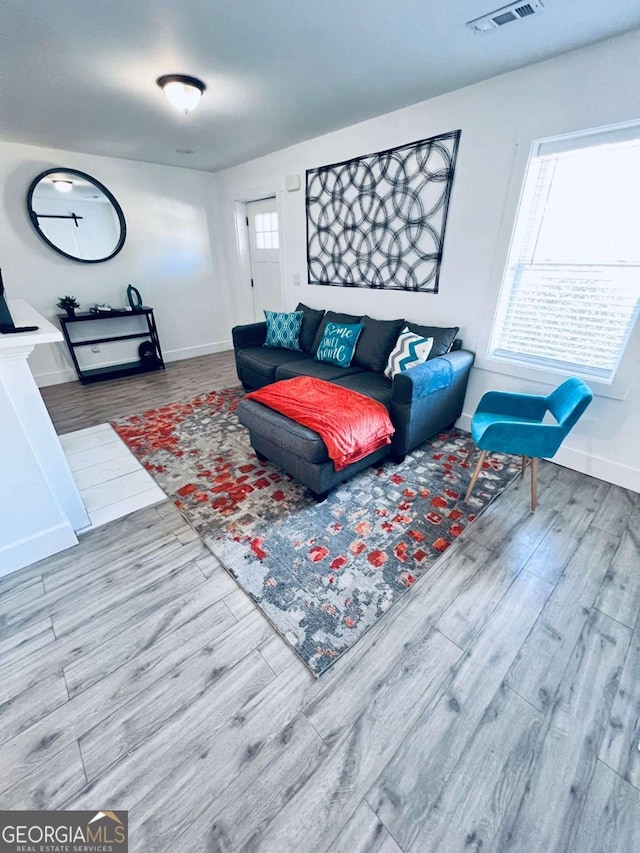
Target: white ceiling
[80, 74]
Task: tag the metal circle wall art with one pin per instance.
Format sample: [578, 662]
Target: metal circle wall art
[379, 221]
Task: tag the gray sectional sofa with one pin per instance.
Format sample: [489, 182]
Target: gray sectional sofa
[421, 401]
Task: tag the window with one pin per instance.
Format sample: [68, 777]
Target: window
[266, 231]
[571, 288]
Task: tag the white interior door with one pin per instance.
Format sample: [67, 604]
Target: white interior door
[264, 246]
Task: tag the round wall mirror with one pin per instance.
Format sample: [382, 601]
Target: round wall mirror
[76, 215]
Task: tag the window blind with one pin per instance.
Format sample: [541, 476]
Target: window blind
[571, 287]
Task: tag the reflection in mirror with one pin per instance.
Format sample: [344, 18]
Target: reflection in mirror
[76, 215]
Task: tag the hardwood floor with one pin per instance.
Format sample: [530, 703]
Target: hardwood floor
[74, 406]
[496, 708]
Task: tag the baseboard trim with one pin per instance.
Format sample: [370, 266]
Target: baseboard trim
[594, 466]
[194, 352]
[24, 552]
[57, 377]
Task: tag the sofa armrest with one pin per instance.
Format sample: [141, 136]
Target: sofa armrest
[433, 375]
[251, 335]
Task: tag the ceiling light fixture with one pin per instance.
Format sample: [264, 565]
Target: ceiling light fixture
[182, 92]
[62, 186]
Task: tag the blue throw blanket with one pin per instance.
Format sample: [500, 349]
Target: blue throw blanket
[430, 376]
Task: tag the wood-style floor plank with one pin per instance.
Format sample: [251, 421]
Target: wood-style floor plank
[611, 815]
[620, 592]
[493, 768]
[74, 406]
[364, 833]
[267, 737]
[215, 668]
[465, 617]
[413, 780]
[546, 816]
[198, 718]
[50, 785]
[622, 737]
[539, 668]
[316, 804]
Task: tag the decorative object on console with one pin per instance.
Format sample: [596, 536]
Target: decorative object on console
[379, 221]
[84, 223]
[338, 343]
[323, 574]
[135, 298]
[149, 355]
[283, 329]
[68, 304]
[410, 349]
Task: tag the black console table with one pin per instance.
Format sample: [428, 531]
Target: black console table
[97, 374]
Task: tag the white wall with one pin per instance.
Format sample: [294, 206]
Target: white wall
[167, 254]
[499, 118]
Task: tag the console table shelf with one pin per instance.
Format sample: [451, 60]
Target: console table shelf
[112, 371]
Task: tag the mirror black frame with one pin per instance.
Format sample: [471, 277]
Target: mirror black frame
[102, 188]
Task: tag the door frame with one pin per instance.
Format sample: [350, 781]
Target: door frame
[242, 240]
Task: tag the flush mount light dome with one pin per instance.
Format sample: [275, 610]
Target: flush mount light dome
[182, 92]
[62, 186]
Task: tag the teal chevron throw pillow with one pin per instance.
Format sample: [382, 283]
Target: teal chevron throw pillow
[410, 349]
[283, 329]
[338, 343]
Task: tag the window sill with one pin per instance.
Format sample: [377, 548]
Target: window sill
[617, 390]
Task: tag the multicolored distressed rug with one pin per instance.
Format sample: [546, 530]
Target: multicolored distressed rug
[321, 573]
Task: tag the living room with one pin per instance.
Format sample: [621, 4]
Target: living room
[184, 253]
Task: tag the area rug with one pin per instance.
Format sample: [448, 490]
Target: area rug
[323, 574]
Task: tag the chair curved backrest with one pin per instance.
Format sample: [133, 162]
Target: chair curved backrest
[568, 402]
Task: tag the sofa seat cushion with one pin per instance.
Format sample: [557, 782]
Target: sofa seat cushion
[315, 368]
[263, 361]
[374, 385]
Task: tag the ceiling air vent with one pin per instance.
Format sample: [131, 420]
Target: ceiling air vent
[505, 15]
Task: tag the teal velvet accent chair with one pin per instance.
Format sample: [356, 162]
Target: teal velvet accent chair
[520, 424]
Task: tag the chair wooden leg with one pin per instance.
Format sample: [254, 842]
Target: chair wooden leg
[476, 473]
[472, 450]
[534, 484]
[523, 467]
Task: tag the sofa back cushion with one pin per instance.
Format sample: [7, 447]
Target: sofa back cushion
[338, 343]
[443, 338]
[376, 342]
[331, 317]
[311, 319]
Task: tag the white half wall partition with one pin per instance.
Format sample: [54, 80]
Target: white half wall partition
[40, 506]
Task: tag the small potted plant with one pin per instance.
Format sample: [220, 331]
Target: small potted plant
[68, 304]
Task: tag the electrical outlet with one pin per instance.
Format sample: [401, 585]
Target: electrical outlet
[296, 279]
[95, 348]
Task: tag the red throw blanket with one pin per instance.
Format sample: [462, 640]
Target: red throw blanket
[351, 425]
